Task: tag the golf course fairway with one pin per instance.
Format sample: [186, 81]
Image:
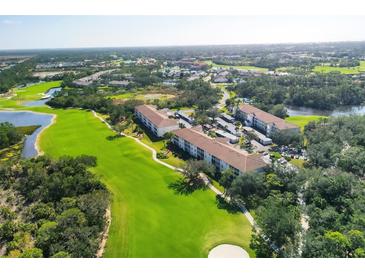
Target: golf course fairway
[149, 219]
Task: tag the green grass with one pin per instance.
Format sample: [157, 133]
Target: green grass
[148, 218]
[126, 95]
[302, 121]
[342, 70]
[250, 68]
[31, 93]
[298, 162]
[159, 144]
[216, 184]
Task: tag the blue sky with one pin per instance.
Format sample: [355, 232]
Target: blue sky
[29, 32]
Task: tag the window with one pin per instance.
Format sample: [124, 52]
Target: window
[186, 145]
[215, 161]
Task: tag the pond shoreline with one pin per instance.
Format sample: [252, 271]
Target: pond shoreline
[36, 143]
[338, 111]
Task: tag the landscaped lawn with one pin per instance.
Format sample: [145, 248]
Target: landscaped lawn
[302, 121]
[252, 68]
[343, 70]
[149, 219]
[159, 145]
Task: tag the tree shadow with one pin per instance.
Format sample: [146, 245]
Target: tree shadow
[183, 188]
[223, 204]
[113, 137]
[148, 132]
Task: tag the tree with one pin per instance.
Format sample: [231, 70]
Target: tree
[261, 246]
[352, 160]
[249, 187]
[61, 254]
[192, 170]
[41, 212]
[357, 243]
[46, 237]
[336, 244]
[32, 253]
[7, 230]
[9, 135]
[227, 178]
[279, 110]
[279, 221]
[287, 137]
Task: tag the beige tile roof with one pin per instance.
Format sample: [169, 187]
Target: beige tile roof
[266, 117]
[239, 159]
[158, 118]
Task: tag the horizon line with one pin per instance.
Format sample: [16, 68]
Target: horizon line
[188, 45]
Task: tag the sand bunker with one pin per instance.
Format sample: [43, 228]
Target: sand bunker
[228, 251]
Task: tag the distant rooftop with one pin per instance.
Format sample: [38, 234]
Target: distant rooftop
[266, 117]
[158, 118]
[239, 159]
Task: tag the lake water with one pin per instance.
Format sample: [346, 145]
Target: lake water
[23, 118]
[304, 111]
[41, 102]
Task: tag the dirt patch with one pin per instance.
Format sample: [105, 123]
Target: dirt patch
[104, 235]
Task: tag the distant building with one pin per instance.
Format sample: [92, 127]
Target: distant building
[123, 83]
[227, 118]
[185, 116]
[231, 128]
[157, 121]
[258, 136]
[232, 138]
[60, 65]
[216, 151]
[220, 80]
[89, 80]
[263, 121]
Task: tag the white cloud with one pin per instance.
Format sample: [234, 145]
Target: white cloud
[11, 22]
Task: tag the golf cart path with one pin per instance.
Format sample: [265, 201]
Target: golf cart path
[204, 177]
[221, 251]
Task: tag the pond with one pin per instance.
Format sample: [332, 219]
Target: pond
[47, 96]
[25, 118]
[304, 111]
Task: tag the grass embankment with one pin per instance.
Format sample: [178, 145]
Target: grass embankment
[31, 93]
[249, 68]
[342, 70]
[149, 219]
[302, 121]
